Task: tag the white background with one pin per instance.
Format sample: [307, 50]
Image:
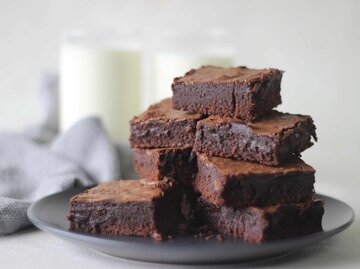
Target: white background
[317, 43]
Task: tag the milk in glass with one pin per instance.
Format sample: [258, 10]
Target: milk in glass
[100, 76]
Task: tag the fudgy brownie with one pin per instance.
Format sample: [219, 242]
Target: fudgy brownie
[176, 163]
[258, 224]
[270, 141]
[235, 183]
[190, 211]
[163, 127]
[139, 207]
[238, 92]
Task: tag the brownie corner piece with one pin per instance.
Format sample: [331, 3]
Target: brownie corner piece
[160, 126]
[260, 224]
[178, 164]
[293, 220]
[238, 92]
[140, 207]
[259, 95]
[236, 183]
[198, 92]
[270, 141]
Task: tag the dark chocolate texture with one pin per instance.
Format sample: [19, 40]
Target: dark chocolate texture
[178, 164]
[238, 92]
[128, 207]
[235, 183]
[259, 224]
[270, 141]
[163, 127]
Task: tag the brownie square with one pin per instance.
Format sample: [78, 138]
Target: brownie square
[237, 183]
[259, 224]
[270, 141]
[238, 92]
[178, 164]
[163, 127]
[139, 207]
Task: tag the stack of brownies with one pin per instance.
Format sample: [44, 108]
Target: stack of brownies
[214, 155]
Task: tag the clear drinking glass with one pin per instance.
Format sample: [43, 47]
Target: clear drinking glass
[100, 75]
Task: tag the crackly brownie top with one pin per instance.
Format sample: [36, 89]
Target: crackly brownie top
[274, 123]
[216, 74]
[231, 167]
[163, 111]
[132, 190]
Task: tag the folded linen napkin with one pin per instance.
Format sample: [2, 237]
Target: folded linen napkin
[35, 164]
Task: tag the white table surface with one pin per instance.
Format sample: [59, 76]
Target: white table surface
[32, 248]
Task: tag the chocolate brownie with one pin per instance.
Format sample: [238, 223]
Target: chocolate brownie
[139, 207]
[270, 141]
[239, 92]
[190, 211]
[237, 183]
[163, 127]
[176, 163]
[258, 224]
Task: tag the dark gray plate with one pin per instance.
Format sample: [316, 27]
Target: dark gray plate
[49, 214]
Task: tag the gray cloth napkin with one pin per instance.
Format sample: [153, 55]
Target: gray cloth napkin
[41, 162]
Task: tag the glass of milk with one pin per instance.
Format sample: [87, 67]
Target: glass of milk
[173, 53]
[100, 76]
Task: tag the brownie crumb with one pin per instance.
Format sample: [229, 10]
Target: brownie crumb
[220, 237]
[157, 236]
[203, 232]
[205, 235]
